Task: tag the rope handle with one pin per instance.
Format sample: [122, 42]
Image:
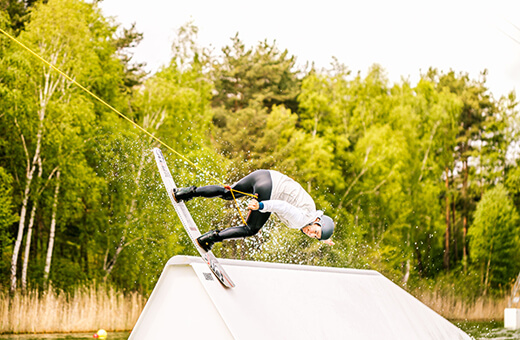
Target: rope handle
[227, 187]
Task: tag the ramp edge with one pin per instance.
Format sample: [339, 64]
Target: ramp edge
[188, 260]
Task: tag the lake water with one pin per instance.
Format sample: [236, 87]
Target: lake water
[477, 330]
[488, 330]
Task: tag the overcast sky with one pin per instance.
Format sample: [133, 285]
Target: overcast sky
[405, 37]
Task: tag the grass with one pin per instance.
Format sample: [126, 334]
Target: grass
[84, 310]
[91, 308]
[483, 308]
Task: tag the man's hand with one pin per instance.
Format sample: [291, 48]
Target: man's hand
[253, 205]
[329, 242]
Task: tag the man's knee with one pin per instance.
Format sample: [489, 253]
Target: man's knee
[251, 230]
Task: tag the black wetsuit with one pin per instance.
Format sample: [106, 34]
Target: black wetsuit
[259, 183]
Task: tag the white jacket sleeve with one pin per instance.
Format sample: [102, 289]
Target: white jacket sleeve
[295, 216]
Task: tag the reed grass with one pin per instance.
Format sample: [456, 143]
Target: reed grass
[91, 308]
[482, 308]
[84, 310]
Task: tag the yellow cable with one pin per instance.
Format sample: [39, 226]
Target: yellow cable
[238, 208]
[122, 115]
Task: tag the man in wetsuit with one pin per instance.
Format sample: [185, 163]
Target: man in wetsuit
[278, 194]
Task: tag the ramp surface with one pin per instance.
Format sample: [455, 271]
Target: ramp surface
[279, 301]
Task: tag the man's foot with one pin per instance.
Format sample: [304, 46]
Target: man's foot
[207, 240]
[183, 194]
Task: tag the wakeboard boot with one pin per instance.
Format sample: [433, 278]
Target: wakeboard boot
[207, 240]
[183, 194]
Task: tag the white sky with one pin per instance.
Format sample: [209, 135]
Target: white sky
[405, 37]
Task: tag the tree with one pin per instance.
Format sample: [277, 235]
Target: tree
[512, 184]
[7, 215]
[477, 109]
[262, 74]
[62, 21]
[52, 231]
[173, 105]
[248, 84]
[498, 150]
[317, 103]
[50, 114]
[494, 238]
[415, 116]
[17, 11]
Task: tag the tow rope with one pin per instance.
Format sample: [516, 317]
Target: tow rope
[131, 122]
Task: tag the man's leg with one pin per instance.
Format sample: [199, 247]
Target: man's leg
[255, 222]
[209, 191]
[258, 182]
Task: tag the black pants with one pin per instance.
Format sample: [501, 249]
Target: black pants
[258, 182]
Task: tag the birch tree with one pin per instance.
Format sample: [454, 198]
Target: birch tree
[52, 231]
[59, 33]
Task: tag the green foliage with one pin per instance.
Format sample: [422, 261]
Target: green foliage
[399, 167]
[16, 10]
[7, 218]
[512, 184]
[494, 238]
[263, 75]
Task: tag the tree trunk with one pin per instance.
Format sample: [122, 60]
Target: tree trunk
[129, 217]
[448, 226]
[28, 239]
[464, 249]
[45, 93]
[454, 230]
[406, 276]
[420, 266]
[19, 237]
[28, 246]
[52, 230]
[29, 174]
[488, 269]
[155, 119]
[316, 121]
[464, 215]
[109, 265]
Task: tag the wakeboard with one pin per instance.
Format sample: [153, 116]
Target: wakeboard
[188, 222]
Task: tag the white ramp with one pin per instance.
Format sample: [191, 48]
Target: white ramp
[279, 301]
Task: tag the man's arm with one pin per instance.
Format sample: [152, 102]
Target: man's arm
[283, 208]
[288, 211]
[328, 242]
